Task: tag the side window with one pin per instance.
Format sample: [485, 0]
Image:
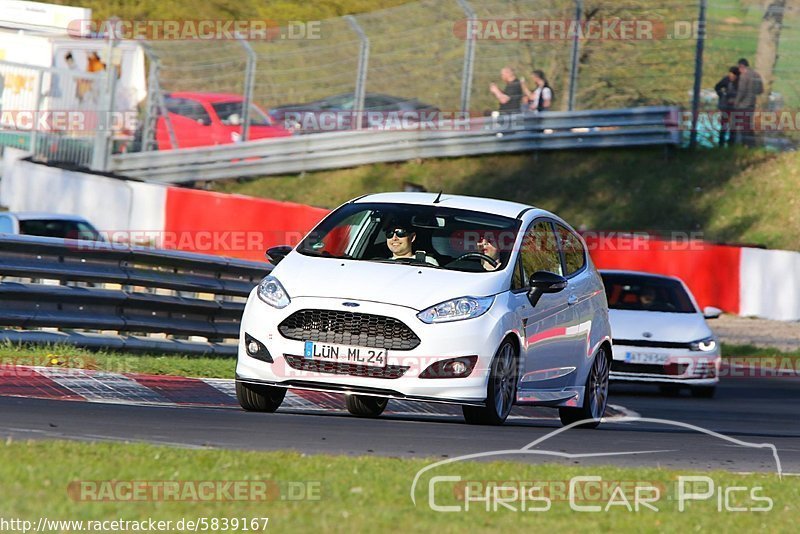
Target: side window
[189, 109]
[6, 226]
[539, 250]
[574, 253]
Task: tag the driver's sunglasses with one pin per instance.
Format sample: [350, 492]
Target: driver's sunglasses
[399, 232]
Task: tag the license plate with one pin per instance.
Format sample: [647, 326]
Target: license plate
[646, 357]
[345, 354]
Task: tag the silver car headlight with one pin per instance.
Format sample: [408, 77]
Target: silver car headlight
[456, 310]
[704, 345]
[272, 292]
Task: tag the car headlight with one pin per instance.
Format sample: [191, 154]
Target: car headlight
[271, 291]
[456, 310]
[704, 345]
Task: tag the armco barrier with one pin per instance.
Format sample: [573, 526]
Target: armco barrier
[711, 271]
[103, 295]
[655, 126]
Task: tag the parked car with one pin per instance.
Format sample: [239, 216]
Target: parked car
[520, 321]
[660, 335]
[205, 119]
[334, 112]
[48, 225]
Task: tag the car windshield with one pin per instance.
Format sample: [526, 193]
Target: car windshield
[59, 228]
[646, 293]
[423, 236]
[230, 114]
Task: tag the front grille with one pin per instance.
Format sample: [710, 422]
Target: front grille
[348, 328]
[341, 368]
[648, 343]
[705, 369]
[671, 369]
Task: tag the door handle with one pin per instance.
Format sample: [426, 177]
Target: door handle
[572, 300]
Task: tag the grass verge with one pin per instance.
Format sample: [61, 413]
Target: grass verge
[118, 362]
[361, 494]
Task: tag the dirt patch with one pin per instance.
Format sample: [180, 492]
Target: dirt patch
[736, 330]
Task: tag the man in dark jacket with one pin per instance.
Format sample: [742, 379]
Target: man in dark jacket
[726, 91]
[510, 98]
[750, 86]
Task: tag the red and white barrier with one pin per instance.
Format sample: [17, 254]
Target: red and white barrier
[744, 281]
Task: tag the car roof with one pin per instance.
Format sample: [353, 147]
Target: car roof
[36, 215]
[638, 273]
[207, 97]
[487, 205]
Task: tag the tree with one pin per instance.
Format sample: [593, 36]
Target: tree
[768, 40]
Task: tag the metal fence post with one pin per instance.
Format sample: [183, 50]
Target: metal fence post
[249, 77]
[155, 106]
[698, 72]
[34, 136]
[361, 77]
[469, 57]
[573, 70]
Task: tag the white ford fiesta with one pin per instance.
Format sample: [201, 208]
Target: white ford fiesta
[437, 298]
[660, 334]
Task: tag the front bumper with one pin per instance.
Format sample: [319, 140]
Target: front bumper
[681, 366]
[472, 337]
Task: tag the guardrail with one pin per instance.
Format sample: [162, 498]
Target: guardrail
[102, 295]
[332, 150]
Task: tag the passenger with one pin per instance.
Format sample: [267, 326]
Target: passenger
[486, 247]
[400, 239]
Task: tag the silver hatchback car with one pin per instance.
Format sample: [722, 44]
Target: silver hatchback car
[417, 296]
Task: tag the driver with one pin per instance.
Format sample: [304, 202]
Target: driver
[399, 239]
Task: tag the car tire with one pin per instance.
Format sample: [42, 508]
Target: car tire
[501, 389]
[703, 392]
[595, 397]
[365, 405]
[259, 397]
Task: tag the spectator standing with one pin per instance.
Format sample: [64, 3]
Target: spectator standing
[510, 97]
[541, 98]
[726, 90]
[750, 86]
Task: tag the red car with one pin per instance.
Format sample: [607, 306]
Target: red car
[204, 119]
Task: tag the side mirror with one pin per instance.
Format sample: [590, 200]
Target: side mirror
[276, 254]
[542, 282]
[710, 312]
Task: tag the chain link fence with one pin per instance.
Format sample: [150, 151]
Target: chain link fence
[444, 54]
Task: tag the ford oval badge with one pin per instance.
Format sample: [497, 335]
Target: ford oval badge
[351, 304]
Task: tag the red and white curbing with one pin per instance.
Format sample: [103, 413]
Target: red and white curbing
[59, 383]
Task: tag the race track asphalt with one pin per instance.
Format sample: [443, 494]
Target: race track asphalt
[748, 411]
